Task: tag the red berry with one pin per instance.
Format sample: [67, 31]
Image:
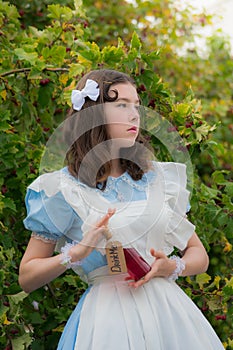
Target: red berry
[141, 88]
[202, 20]
[4, 189]
[151, 103]
[21, 13]
[172, 128]
[85, 24]
[195, 292]
[32, 170]
[204, 308]
[8, 347]
[39, 14]
[188, 124]
[44, 82]
[220, 317]
[58, 111]
[182, 149]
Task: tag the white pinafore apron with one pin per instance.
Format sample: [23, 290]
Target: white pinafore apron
[112, 315]
[158, 315]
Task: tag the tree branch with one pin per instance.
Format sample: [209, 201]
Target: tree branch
[25, 70]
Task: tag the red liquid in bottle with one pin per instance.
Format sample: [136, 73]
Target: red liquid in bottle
[137, 267]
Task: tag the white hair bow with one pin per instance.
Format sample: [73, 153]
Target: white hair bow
[90, 90]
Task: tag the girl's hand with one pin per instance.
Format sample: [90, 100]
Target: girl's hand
[91, 238]
[161, 267]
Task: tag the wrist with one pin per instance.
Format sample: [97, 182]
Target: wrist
[179, 268]
[67, 258]
[172, 267]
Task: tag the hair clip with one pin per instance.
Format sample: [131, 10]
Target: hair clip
[91, 90]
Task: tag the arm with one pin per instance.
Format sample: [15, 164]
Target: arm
[195, 258]
[39, 266]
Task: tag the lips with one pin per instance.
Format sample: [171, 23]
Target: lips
[133, 129]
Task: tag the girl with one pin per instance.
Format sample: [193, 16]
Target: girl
[108, 167]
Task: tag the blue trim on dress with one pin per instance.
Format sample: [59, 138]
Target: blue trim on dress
[69, 334]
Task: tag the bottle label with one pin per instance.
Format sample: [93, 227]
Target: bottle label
[115, 258]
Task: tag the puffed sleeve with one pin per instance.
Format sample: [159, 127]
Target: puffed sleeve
[178, 229]
[48, 214]
[172, 228]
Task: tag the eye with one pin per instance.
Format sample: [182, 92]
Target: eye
[122, 105]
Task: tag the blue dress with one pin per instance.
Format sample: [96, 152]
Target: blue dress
[149, 213]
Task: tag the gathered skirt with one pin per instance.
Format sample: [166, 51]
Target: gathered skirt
[156, 316]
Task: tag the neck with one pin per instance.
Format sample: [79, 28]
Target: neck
[116, 169]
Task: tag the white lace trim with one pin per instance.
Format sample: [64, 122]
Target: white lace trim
[52, 183]
[111, 184]
[43, 238]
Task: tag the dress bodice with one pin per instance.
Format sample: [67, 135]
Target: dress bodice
[150, 212]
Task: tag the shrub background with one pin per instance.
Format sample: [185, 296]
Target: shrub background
[44, 46]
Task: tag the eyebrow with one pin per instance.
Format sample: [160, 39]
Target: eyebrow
[126, 100]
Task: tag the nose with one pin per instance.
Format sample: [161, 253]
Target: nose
[134, 113]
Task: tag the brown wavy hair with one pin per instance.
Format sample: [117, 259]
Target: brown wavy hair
[88, 158]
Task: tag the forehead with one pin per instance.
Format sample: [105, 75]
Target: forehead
[124, 90]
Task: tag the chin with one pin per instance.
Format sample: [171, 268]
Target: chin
[126, 143]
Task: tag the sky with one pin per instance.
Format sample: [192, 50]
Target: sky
[223, 8]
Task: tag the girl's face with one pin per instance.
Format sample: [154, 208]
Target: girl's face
[122, 116]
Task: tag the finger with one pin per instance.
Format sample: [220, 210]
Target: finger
[128, 278]
[151, 274]
[137, 284]
[107, 234]
[104, 220]
[157, 254]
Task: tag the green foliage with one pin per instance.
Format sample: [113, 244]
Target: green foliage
[40, 57]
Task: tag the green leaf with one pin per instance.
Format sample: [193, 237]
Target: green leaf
[214, 305]
[71, 280]
[229, 189]
[22, 342]
[182, 109]
[35, 73]
[27, 56]
[91, 52]
[3, 311]
[45, 95]
[10, 10]
[208, 192]
[16, 298]
[58, 54]
[229, 283]
[75, 69]
[135, 42]
[149, 58]
[111, 54]
[9, 203]
[4, 125]
[78, 4]
[60, 12]
[218, 176]
[202, 279]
